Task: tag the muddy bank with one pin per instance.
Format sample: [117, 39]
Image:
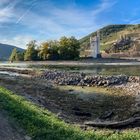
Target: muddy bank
[116, 102]
[73, 107]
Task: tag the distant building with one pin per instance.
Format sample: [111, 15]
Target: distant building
[95, 46]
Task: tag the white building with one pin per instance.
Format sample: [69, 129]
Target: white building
[95, 46]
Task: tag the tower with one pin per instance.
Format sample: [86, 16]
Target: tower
[95, 45]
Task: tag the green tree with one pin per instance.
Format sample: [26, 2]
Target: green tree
[53, 50]
[20, 56]
[31, 53]
[75, 48]
[69, 48]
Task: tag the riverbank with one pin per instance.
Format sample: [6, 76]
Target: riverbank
[91, 101]
[40, 124]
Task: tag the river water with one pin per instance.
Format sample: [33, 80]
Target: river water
[127, 68]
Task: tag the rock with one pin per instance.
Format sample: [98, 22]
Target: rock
[82, 79]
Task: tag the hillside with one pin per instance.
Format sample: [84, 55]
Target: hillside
[112, 34]
[5, 51]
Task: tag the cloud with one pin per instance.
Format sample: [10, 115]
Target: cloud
[3, 2]
[52, 22]
[26, 11]
[136, 21]
[19, 41]
[7, 11]
[61, 20]
[103, 6]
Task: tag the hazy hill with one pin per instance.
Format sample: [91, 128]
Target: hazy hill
[5, 51]
[112, 34]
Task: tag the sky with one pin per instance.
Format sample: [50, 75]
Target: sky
[41, 20]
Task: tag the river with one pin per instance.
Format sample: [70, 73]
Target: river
[117, 68]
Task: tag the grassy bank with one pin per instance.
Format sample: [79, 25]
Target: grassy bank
[40, 124]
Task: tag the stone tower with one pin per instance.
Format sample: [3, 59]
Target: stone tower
[95, 45]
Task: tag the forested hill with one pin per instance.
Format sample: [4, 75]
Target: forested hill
[110, 34]
[5, 51]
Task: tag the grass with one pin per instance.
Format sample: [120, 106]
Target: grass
[40, 124]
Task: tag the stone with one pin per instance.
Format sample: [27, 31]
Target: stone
[78, 79]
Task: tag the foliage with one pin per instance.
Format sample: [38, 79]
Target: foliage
[16, 55]
[20, 56]
[43, 51]
[13, 55]
[49, 50]
[66, 49]
[53, 52]
[69, 48]
[31, 53]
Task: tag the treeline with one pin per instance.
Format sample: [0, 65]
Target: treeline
[64, 49]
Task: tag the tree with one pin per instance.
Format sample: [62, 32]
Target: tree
[64, 48]
[53, 50]
[31, 53]
[16, 55]
[49, 50]
[74, 48]
[69, 48]
[13, 56]
[20, 56]
[43, 51]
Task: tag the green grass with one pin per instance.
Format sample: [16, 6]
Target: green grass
[40, 124]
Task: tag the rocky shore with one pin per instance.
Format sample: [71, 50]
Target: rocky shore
[82, 79]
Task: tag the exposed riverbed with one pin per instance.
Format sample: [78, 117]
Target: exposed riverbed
[75, 103]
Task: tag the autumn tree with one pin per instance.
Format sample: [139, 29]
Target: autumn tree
[16, 56]
[13, 56]
[43, 51]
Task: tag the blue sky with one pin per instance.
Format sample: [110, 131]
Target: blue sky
[24, 20]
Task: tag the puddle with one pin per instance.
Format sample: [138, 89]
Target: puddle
[13, 74]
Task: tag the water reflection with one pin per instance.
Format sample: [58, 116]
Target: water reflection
[91, 68]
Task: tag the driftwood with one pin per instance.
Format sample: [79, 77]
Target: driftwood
[119, 124]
